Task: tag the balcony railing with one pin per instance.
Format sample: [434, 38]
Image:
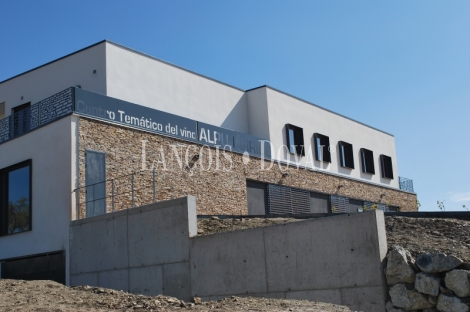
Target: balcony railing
[123, 192]
[406, 184]
[39, 114]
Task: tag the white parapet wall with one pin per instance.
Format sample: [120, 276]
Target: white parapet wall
[153, 250]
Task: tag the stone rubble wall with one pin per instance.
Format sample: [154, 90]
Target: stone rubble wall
[218, 192]
[432, 282]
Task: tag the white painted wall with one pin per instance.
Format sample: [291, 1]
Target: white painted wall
[76, 69]
[258, 118]
[283, 109]
[50, 149]
[140, 79]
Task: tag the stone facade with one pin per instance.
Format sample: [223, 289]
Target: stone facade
[219, 190]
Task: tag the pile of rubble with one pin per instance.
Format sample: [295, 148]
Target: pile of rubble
[432, 282]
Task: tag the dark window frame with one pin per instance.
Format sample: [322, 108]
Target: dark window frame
[346, 157]
[4, 196]
[367, 161]
[325, 143]
[386, 166]
[298, 140]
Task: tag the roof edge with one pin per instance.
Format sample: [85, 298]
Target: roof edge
[192, 72]
[173, 65]
[53, 61]
[130, 50]
[318, 106]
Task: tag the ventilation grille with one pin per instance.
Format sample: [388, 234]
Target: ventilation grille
[369, 206]
[339, 204]
[283, 200]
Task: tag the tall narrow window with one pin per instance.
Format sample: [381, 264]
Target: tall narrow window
[346, 155]
[21, 119]
[387, 169]
[15, 203]
[367, 159]
[2, 110]
[295, 139]
[322, 147]
[95, 180]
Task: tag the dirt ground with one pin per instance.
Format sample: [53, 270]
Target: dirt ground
[418, 235]
[215, 225]
[47, 296]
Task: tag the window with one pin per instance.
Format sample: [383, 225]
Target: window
[322, 147]
[21, 119]
[15, 198]
[367, 161]
[346, 155]
[2, 110]
[295, 139]
[387, 169]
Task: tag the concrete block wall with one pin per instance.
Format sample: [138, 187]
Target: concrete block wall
[153, 250]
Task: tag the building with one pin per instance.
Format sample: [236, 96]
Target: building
[108, 128]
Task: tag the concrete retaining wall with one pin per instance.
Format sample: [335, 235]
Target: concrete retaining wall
[151, 250]
[143, 250]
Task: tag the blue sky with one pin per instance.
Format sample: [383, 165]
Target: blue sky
[400, 66]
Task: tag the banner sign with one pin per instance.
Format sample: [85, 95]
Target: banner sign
[105, 108]
[121, 112]
[233, 140]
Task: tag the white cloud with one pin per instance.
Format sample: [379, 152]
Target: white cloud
[460, 197]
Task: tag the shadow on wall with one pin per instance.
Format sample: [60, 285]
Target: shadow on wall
[341, 170]
[237, 119]
[286, 155]
[318, 164]
[366, 176]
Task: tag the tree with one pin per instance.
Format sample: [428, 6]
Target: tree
[18, 215]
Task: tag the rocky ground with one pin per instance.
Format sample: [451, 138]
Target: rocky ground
[417, 235]
[47, 296]
[429, 235]
[215, 225]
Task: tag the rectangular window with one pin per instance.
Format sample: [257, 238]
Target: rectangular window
[2, 110]
[387, 169]
[367, 161]
[295, 139]
[346, 155]
[21, 119]
[322, 147]
[15, 198]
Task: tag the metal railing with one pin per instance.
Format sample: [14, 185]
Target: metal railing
[406, 184]
[39, 114]
[116, 194]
